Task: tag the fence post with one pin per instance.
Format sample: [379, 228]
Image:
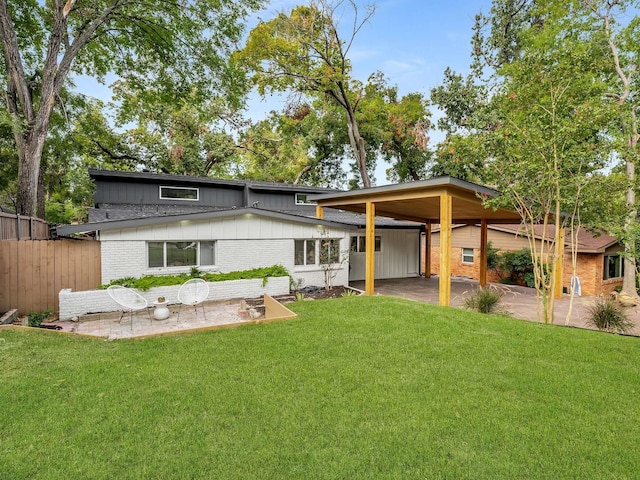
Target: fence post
[18, 229]
[30, 228]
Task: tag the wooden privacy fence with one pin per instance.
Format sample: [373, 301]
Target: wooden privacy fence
[32, 272]
[18, 227]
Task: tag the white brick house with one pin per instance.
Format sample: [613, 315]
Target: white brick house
[165, 224]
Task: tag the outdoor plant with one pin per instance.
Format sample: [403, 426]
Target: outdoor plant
[349, 293]
[331, 257]
[484, 300]
[608, 316]
[149, 281]
[36, 318]
[517, 268]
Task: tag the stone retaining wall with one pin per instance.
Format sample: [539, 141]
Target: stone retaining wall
[75, 304]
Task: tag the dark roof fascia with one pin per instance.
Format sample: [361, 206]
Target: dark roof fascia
[159, 220]
[202, 181]
[288, 186]
[400, 187]
[166, 178]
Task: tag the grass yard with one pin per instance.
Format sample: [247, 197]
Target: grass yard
[355, 388]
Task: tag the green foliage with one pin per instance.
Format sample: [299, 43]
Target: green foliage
[304, 52]
[493, 256]
[517, 266]
[607, 315]
[349, 293]
[169, 49]
[484, 300]
[355, 388]
[150, 281]
[36, 318]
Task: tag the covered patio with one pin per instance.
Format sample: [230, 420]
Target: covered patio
[442, 201]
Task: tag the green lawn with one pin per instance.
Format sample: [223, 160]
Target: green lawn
[354, 388]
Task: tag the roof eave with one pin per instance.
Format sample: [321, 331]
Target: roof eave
[63, 230]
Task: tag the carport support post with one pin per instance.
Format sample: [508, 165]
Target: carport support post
[483, 252]
[444, 296]
[427, 250]
[319, 212]
[370, 248]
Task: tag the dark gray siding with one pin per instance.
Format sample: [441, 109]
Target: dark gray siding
[285, 201]
[115, 192]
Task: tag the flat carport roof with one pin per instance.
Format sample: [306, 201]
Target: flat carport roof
[442, 200]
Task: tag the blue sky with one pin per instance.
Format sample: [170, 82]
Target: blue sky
[411, 41]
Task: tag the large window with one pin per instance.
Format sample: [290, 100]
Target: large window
[179, 193]
[317, 252]
[359, 243]
[305, 252]
[467, 255]
[181, 254]
[329, 251]
[613, 267]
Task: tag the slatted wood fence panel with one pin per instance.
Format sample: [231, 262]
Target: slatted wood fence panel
[17, 227]
[32, 272]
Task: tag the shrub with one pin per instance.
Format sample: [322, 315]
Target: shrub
[516, 267]
[608, 316]
[149, 281]
[484, 300]
[36, 318]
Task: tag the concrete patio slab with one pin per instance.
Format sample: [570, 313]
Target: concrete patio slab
[518, 302]
[207, 316]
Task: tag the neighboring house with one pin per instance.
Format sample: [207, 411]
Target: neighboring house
[160, 224]
[599, 259]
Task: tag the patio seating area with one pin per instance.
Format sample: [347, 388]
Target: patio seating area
[217, 314]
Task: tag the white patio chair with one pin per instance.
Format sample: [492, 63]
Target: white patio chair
[193, 292]
[128, 299]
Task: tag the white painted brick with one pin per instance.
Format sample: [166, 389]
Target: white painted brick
[75, 304]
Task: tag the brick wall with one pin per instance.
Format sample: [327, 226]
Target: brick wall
[124, 258]
[458, 268]
[588, 269]
[75, 304]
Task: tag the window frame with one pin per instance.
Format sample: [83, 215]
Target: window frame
[305, 201]
[305, 252]
[620, 266]
[197, 190]
[332, 255]
[472, 255]
[198, 253]
[361, 243]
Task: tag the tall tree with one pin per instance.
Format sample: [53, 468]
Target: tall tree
[623, 46]
[537, 121]
[304, 51]
[186, 136]
[175, 44]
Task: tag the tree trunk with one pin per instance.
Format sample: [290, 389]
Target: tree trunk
[40, 203]
[28, 173]
[629, 279]
[357, 145]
